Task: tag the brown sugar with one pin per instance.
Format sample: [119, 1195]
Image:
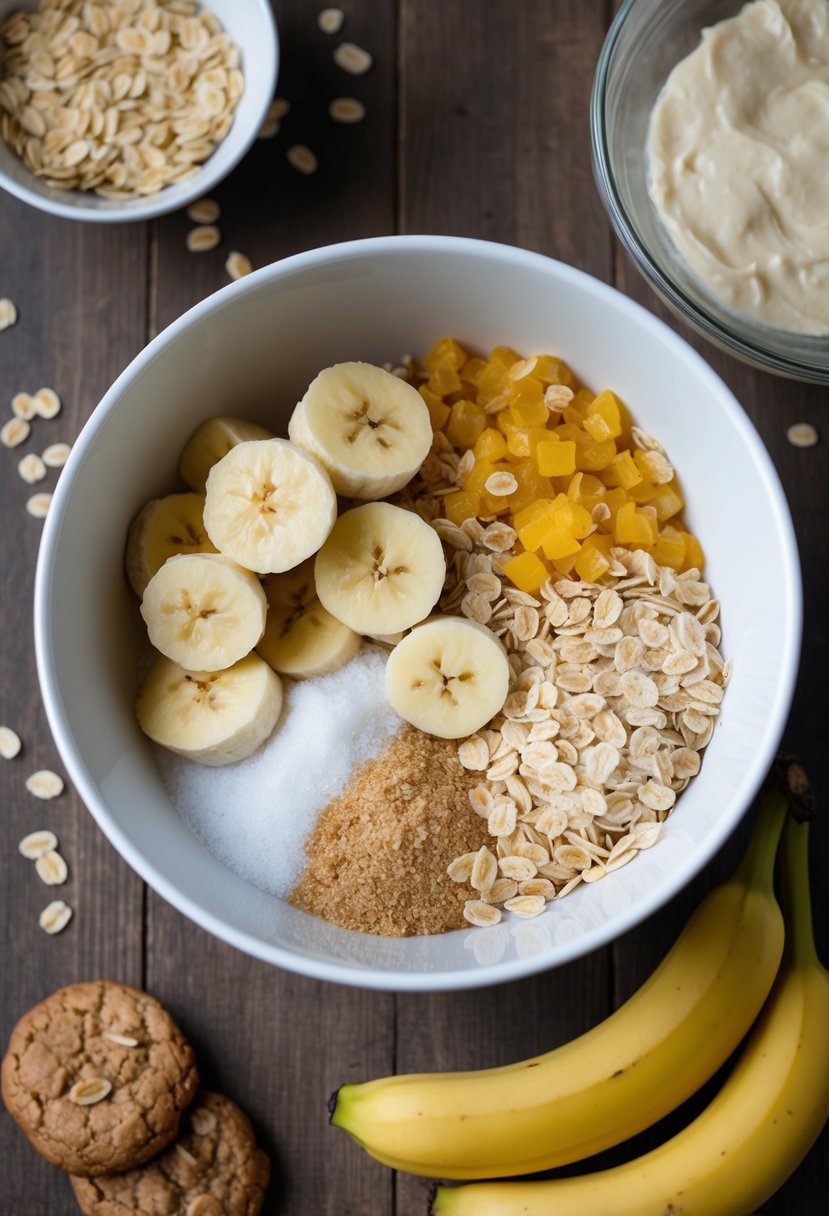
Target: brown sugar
[378, 854]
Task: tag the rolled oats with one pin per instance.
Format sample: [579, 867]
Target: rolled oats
[55, 917]
[10, 744]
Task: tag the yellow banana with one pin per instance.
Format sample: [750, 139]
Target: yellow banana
[615, 1080]
[751, 1138]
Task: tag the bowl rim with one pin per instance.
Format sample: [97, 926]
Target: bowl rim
[142, 208]
[352, 974]
[712, 327]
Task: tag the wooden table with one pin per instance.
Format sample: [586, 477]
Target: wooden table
[476, 125]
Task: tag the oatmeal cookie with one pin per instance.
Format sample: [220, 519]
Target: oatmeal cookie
[213, 1169]
[98, 1076]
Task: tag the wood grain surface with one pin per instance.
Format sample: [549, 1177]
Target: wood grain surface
[476, 125]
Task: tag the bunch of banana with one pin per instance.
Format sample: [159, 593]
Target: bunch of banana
[230, 568]
[615, 1080]
[756, 1131]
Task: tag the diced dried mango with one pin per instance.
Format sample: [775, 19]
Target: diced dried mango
[542, 508]
[466, 422]
[476, 479]
[461, 505]
[581, 521]
[581, 403]
[596, 427]
[606, 406]
[445, 352]
[591, 564]
[532, 532]
[531, 485]
[527, 402]
[594, 456]
[526, 571]
[551, 370]
[565, 565]
[667, 500]
[632, 527]
[524, 440]
[444, 380]
[643, 492]
[556, 457]
[586, 489]
[694, 556]
[560, 542]
[438, 410]
[490, 445]
[471, 370]
[614, 500]
[624, 470]
[670, 548]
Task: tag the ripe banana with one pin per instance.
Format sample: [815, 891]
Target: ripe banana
[448, 677]
[212, 440]
[302, 639]
[381, 569]
[161, 529]
[751, 1138]
[370, 429]
[613, 1081]
[268, 505]
[213, 717]
[203, 611]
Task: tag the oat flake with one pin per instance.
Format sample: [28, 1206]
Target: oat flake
[89, 1091]
[330, 20]
[347, 110]
[36, 844]
[51, 868]
[15, 432]
[44, 784]
[8, 313]
[301, 158]
[9, 743]
[352, 59]
[802, 435]
[38, 505]
[55, 917]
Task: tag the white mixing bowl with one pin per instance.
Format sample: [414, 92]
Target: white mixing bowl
[250, 350]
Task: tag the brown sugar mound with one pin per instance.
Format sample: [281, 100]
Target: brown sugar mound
[378, 854]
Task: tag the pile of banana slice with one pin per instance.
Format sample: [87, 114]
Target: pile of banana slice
[256, 572]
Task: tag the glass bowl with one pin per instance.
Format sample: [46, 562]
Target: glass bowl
[645, 42]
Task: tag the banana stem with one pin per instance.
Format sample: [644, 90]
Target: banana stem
[757, 867]
[795, 895]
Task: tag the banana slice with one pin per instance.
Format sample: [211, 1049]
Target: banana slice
[269, 505]
[302, 639]
[203, 611]
[381, 569]
[164, 527]
[212, 440]
[448, 677]
[214, 717]
[370, 429]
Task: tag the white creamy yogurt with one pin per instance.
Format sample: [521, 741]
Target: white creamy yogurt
[738, 159]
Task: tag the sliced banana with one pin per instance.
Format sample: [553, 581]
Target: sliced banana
[381, 569]
[212, 440]
[203, 611]
[213, 717]
[269, 505]
[164, 527]
[302, 639]
[370, 429]
[448, 677]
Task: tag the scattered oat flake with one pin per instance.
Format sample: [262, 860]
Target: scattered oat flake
[31, 468]
[89, 1091]
[203, 1121]
[204, 211]
[352, 58]
[9, 743]
[51, 868]
[301, 158]
[44, 784]
[36, 844]
[331, 20]
[8, 313]
[269, 129]
[123, 1040]
[802, 435]
[47, 403]
[481, 914]
[38, 505]
[55, 917]
[23, 406]
[238, 264]
[15, 432]
[203, 238]
[56, 455]
[185, 1156]
[523, 368]
[501, 484]
[347, 109]
[278, 108]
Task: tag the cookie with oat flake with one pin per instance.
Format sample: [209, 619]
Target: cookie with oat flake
[213, 1169]
[98, 1077]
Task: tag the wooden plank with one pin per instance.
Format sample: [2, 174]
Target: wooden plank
[277, 1043]
[80, 294]
[492, 98]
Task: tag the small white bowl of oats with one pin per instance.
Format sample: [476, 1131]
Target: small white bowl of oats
[625, 733]
[124, 111]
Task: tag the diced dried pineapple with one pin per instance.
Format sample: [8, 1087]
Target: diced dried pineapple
[526, 571]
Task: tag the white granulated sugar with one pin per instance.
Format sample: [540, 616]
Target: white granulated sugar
[254, 816]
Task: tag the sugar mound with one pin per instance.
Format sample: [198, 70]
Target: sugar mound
[254, 816]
